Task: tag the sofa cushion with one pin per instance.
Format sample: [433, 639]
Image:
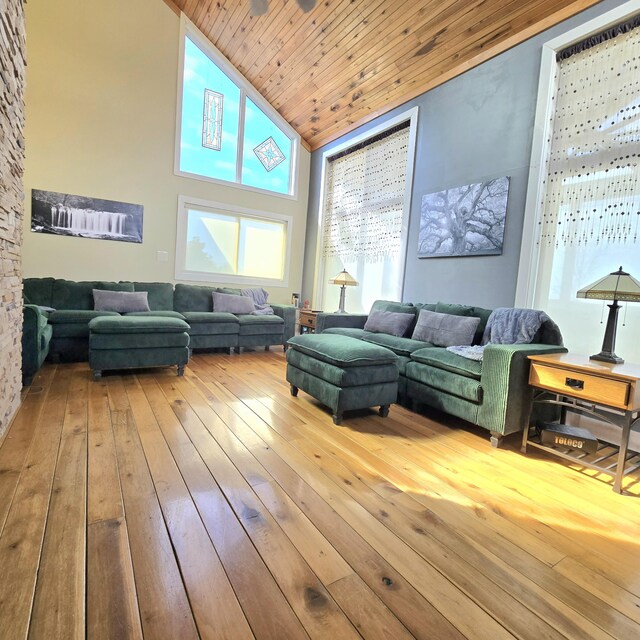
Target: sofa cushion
[483, 314]
[68, 294]
[342, 376]
[120, 301]
[229, 291]
[451, 383]
[73, 323]
[161, 314]
[342, 351]
[231, 303]
[352, 332]
[444, 330]
[159, 294]
[397, 307]
[137, 324]
[77, 316]
[191, 297]
[38, 290]
[400, 346]
[440, 358]
[199, 317]
[454, 309]
[389, 322]
[251, 325]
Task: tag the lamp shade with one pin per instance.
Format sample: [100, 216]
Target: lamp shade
[615, 286]
[344, 279]
[618, 285]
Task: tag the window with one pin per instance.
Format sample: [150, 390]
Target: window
[586, 214]
[229, 244]
[226, 131]
[364, 215]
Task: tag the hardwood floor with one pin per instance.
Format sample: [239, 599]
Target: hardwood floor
[218, 506]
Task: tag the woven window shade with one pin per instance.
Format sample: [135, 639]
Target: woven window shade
[592, 187]
[364, 199]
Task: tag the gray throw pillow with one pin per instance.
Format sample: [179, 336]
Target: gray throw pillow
[120, 301]
[391, 322]
[231, 303]
[445, 330]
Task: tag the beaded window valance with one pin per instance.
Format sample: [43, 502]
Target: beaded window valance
[365, 196]
[592, 186]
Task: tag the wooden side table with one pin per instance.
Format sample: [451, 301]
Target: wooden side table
[608, 392]
[307, 321]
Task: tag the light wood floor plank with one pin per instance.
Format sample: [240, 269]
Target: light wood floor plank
[104, 496]
[112, 604]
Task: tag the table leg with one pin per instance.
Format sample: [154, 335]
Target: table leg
[622, 455]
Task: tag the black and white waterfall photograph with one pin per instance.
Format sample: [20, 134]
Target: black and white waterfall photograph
[68, 215]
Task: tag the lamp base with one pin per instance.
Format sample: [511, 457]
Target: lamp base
[607, 357]
[341, 303]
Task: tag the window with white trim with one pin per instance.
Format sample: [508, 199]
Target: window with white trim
[588, 210]
[226, 131]
[221, 243]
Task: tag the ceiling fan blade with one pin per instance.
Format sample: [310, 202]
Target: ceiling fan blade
[258, 7]
[306, 5]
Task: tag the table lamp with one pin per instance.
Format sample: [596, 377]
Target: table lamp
[615, 286]
[344, 279]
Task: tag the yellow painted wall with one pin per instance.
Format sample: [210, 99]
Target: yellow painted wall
[101, 117]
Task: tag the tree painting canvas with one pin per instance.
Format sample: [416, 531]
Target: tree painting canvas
[464, 221]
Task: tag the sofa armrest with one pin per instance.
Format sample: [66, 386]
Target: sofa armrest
[288, 313]
[344, 320]
[33, 328]
[506, 403]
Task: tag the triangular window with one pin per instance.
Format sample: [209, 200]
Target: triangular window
[226, 130]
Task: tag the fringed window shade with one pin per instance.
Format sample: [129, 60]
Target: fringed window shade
[364, 199]
[592, 188]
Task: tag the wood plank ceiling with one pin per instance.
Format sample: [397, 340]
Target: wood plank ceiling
[348, 61]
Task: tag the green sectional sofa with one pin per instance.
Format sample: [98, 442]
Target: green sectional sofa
[492, 393]
[62, 332]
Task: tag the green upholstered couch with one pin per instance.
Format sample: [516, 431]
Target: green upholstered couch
[63, 334]
[493, 394]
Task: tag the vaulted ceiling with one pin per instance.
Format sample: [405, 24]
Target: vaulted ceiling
[347, 61]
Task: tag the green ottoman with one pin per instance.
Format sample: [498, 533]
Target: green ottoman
[130, 342]
[342, 372]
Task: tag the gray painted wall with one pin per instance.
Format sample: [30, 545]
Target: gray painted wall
[478, 125]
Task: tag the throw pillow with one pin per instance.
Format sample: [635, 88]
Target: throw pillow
[120, 301]
[444, 330]
[390, 322]
[231, 303]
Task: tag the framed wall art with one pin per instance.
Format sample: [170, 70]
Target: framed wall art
[464, 221]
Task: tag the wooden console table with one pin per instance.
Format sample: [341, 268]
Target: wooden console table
[307, 321]
[608, 392]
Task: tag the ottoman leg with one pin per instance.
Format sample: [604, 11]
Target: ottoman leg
[337, 418]
[180, 369]
[384, 410]
[97, 374]
[294, 391]
[266, 348]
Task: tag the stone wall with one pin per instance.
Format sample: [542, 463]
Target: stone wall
[12, 72]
